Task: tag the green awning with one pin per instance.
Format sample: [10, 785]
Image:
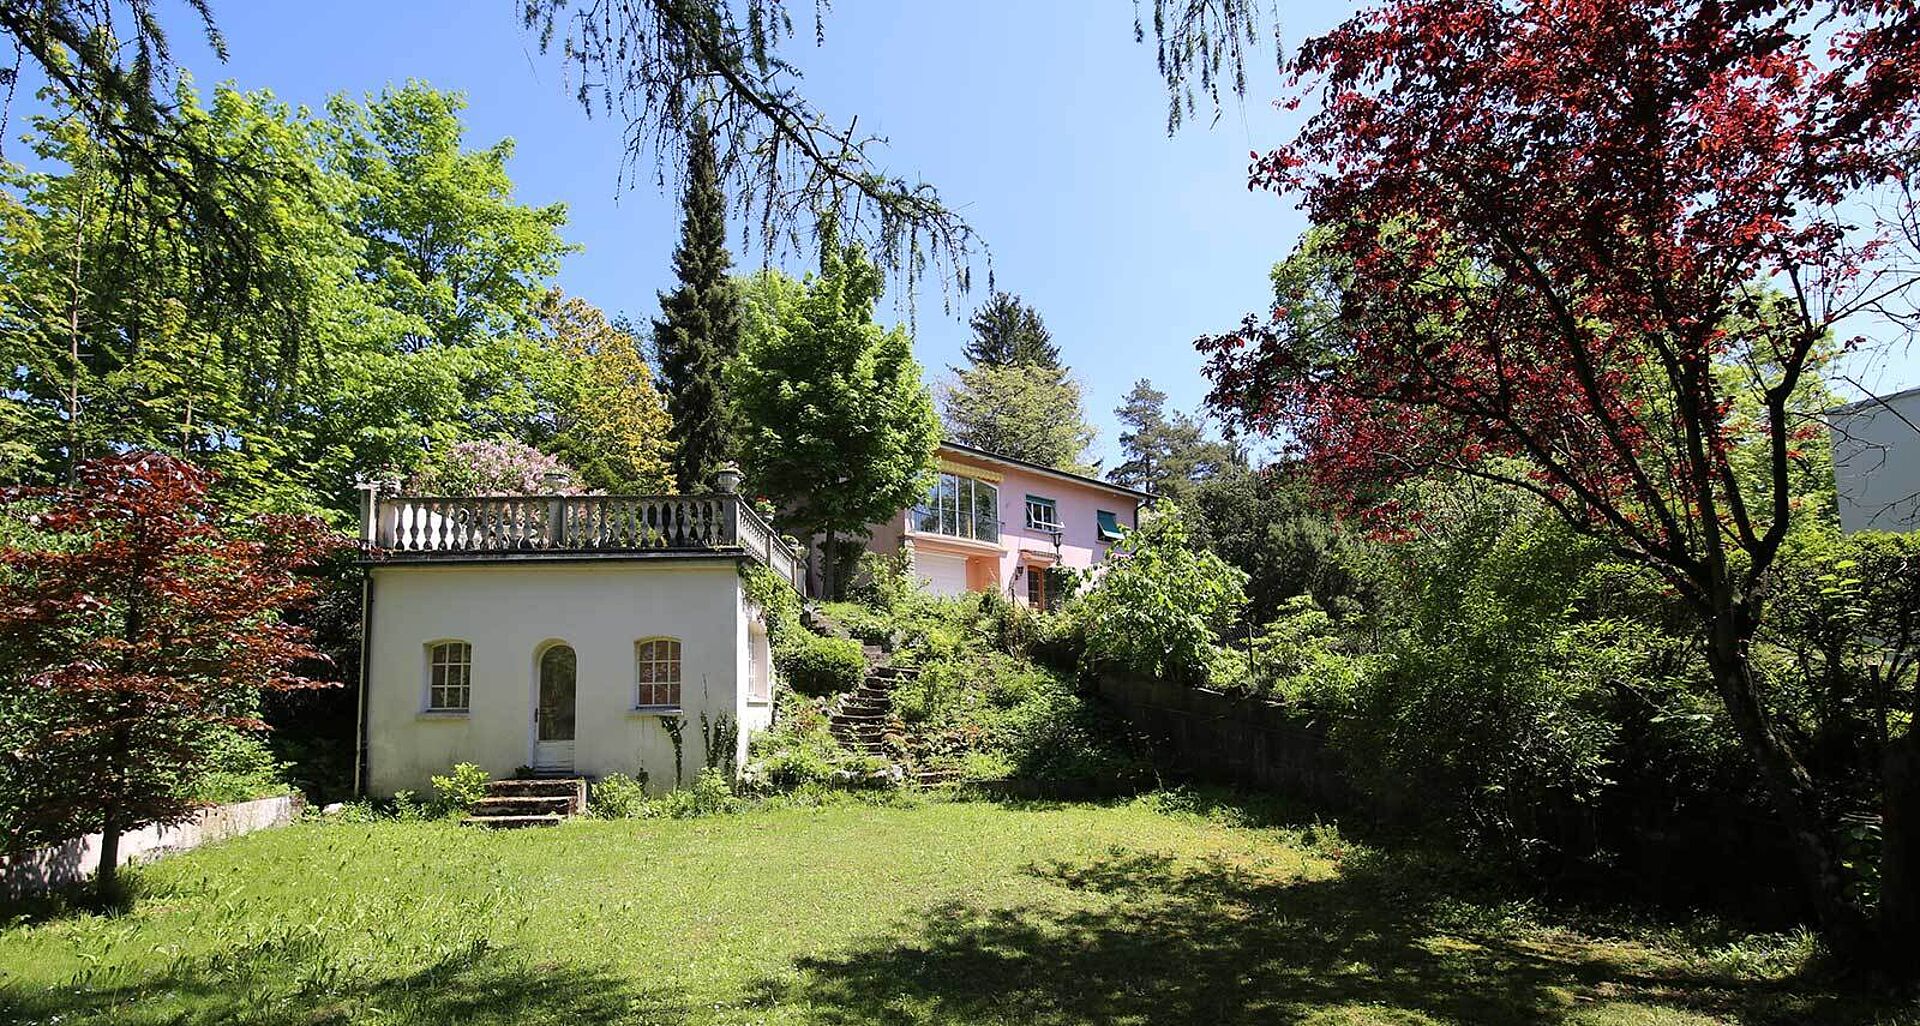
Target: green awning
[1109, 526]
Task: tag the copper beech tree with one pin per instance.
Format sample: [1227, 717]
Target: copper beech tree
[134, 626]
[1597, 251]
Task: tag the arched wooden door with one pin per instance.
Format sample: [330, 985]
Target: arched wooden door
[553, 711]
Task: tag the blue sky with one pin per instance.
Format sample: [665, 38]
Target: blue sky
[1044, 122]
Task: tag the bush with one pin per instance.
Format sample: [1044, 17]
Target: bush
[711, 795]
[457, 792]
[239, 768]
[813, 665]
[1160, 606]
[619, 796]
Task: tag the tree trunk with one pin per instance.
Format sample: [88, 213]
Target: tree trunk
[1899, 940]
[830, 567]
[106, 879]
[1788, 785]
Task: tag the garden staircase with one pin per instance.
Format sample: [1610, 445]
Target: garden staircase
[859, 719]
[511, 804]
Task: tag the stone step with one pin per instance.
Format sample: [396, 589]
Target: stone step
[572, 789]
[860, 716]
[512, 822]
[524, 805]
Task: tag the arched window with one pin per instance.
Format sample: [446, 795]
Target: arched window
[449, 676]
[657, 669]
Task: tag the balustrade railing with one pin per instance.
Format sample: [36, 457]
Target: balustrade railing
[434, 525]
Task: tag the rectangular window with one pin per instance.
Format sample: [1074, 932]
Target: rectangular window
[1109, 525]
[1036, 587]
[657, 667]
[449, 676]
[1043, 514]
[960, 507]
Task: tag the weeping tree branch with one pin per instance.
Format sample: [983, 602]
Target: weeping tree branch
[785, 162]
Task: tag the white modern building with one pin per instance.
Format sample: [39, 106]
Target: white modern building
[562, 635]
[1876, 462]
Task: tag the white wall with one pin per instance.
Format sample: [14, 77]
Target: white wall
[1876, 463]
[507, 611]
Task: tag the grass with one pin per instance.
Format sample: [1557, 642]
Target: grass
[947, 912]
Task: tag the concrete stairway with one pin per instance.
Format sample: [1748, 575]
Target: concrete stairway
[511, 804]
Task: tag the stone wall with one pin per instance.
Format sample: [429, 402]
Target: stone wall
[1226, 739]
[78, 859]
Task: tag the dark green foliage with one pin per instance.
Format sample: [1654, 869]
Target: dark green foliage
[618, 796]
[699, 329]
[1264, 523]
[1009, 333]
[1166, 455]
[813, 665]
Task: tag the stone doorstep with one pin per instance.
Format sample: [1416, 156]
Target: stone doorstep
[571, 789]
[511, 822]
[557, 805]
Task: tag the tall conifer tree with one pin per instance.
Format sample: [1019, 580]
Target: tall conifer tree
[699, 331]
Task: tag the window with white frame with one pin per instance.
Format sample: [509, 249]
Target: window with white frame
[449, 676]
[657, 667]
[1043, 514]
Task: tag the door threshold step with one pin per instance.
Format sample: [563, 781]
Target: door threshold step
[512, 822]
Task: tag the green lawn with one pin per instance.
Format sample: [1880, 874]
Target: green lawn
[942, 913]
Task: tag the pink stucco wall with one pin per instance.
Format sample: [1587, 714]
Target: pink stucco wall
[1078, 503]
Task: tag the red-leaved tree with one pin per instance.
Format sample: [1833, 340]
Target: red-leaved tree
[1596, 250]
[135, 628]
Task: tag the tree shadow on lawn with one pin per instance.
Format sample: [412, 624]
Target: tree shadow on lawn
[1151, 940]
[275, 983]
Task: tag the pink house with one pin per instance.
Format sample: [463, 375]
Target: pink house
[991, 522]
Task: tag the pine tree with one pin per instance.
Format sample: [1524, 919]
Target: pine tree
[1009, 333]
[1164, 454]
[700, 328]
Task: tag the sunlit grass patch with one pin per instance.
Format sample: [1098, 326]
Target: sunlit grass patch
[1168, 909]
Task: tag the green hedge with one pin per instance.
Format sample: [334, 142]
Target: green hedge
[813, 665]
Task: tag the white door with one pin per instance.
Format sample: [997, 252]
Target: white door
[553, 713]
[944, 575]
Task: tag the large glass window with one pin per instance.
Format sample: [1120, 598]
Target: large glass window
[449, 676]
[657, 663]
[960, 506]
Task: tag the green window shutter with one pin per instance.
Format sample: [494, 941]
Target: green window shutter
[1109, 526]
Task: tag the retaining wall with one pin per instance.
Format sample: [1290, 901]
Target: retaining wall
[75, 860]
[1227, 739]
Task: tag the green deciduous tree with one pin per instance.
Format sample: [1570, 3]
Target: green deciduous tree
[1162, 603]
[396, 308]
[1030, 412]
[1008, 332]
[610, 421]
[839, 429]
[699, 330]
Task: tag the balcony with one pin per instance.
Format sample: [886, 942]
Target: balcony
[405, 528]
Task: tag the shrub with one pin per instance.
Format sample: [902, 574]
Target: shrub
[813, 665]
[239, 768]
[1159, 607]
[619, 796]
[458, 791]
[710, 795]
